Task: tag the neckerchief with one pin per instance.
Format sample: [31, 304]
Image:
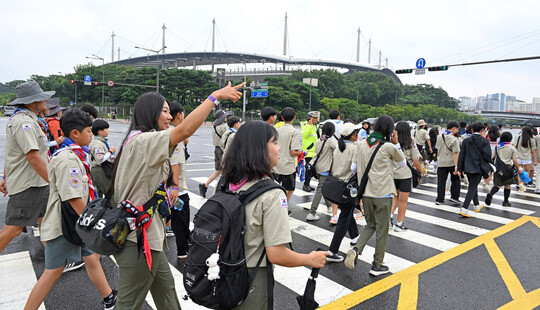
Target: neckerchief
[235, 187]
[232, 129]
[71, 145]
[374, 138]
[502, 144]
[448, 132]
[41, 122]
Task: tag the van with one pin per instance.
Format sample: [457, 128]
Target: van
[9, 110]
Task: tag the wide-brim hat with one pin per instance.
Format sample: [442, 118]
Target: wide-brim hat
[54, 107]
[348, 128]
[29, 92]
[221, 116]
[316, 114]
[421, 122]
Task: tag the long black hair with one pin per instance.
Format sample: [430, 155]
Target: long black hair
[248, 154]
[145, 118]
[384, 125]
[341, 141]
[368, 129]
[328, 129]
[526, 136]
[493, 133]
[404, 135]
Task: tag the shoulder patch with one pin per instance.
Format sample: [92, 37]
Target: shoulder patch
[284, 203]
[26, 126]
[74, 182]
[73, 171]
[177, 150]
[99, 155]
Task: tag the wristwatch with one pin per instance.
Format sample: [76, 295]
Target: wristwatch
[213, 99]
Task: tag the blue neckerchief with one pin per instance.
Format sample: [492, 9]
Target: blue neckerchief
[67, 142]
[502, 144]
[44, 122]
[347, 141]
[448, 132]
[232, 129]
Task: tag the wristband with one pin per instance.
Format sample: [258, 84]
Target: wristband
[4, 177]
[213, 99]
[174, 188]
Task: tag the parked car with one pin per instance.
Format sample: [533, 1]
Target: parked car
[9, 110]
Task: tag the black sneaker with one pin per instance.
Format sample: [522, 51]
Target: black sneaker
[457, 201]
[377, 271]
[391, 223]
[73, 266]
[110, 301]
[334, 258]
[439, 203]
[489, 197]
[352, 255]
[306, 188]
[203, 189]
[401, 227]
[506, 204]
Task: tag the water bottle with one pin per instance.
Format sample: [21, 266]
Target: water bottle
[353, 191]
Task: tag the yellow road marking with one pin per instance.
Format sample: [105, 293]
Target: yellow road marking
[405, 275]
[528, 301]
[408, 294]
[510, 279]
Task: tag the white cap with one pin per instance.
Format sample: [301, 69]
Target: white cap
[348, 128]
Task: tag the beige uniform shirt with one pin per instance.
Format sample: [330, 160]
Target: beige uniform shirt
[506, 153]
[325, 156]
[220, 129]
[98, 149]
[381, 181]
[179, 158]
[401, 173]
[267, 223]
[446, 148]
[421, 136]
[23, 135]
[141, 167]
[343, 160]
[525, 153]
[288, 140]
[68, 180]
[226, 140]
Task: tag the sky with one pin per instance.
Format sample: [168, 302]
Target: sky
[48, 37]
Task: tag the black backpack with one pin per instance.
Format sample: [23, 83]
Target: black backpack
[220, 226]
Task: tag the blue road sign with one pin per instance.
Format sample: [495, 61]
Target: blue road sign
[87, 78]
[261, 93]
[71, 103]
[420, 63]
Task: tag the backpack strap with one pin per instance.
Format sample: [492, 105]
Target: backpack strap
[215, 130]
[258, 189]
[320, 151]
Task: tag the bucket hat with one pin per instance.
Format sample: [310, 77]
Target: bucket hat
[29, 92]
[221, 116]
[421, 122]
[54, 107]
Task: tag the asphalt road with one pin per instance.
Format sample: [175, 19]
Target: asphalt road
[433, 230]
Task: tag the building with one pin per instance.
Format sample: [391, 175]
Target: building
[496, 102]
[481, 103]
[467, 104]
[536, 105]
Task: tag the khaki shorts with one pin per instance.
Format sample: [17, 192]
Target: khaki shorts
[24, 208]
[59, 251]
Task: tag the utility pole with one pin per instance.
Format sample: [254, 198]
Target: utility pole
[118, 53]
[163, 42]
[369, 52]
[214, 35]
[358, 46]
[386, 62]
[112, 49]
[285, 37]
[158, 66]
[380, 54]
[244, 96]
[94, 56]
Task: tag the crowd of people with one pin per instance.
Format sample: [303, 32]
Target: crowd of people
[58, 160]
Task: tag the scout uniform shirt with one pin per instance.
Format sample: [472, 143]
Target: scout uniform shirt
[421, 136]
[506, 153]
[217, 133]
[141, 168]
[325, 156]
[268, 223]
[341, 167]
[401, 173]
[525, 153]
[380, 181]
[179, 158]
[226, 140]
[98, 149]
[446, 148]
[23, 134]
[288, 140]
[68, 180]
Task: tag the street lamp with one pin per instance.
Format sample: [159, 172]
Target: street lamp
[244, 96]
[94, 56]
[157, 55]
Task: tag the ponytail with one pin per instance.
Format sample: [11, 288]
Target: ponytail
[341, 144]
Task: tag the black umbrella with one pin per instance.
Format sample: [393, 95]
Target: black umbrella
[307, 301]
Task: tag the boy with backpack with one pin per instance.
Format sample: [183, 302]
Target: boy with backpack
[234, 123]
[100, 153]
[70, 189]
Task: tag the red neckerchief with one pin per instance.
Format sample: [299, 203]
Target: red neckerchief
[68, 144]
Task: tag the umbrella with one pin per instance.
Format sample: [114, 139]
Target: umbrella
[525, 177]
[301, 167]
[307, 301]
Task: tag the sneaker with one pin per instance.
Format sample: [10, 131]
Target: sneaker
[377, 271]
[506, 204]
[391, 223]
[307, 207]
[478, 207]
[354, 241]
[488, 200]
[522, 188]
[35, 230]
[358, 216]
[110, 302]
[439, 203]
[289, 213]
[307, 188]
[537, 191]
[454, 200]
[73, 266]
[352, 255]
[401, 227]
[333, 220]
[329, 210]
[312, 217]
[334, 258]
[24, 230]
[183, 256]
[169, 232]
[464, 212]
[203, 189]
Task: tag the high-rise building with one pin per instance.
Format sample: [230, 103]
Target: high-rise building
[496, 102]
[536, 105]
[481, 103]
[467, 104]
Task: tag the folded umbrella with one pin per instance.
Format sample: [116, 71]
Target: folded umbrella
[301, 167]
[307, 301]
[524, 176]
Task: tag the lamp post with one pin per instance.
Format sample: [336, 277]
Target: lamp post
[157, 55]
[94, 56]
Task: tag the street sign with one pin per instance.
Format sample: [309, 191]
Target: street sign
[420, 63]
[259, 93]
[110, 83]
[264, 84]
[420, 71]
[87, 80]
[71, 103]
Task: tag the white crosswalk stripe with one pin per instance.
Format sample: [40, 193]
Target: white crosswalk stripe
[16, 267]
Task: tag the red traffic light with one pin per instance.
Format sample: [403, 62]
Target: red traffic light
[72, 81]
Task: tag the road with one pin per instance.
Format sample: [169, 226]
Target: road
[459, 275]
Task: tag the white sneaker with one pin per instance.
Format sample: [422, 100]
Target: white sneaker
[478, 207]
[329, 210]
[522, 188]
[307, 207]
[358, 216]
[464, 212]
[333, 219]
[312, 217]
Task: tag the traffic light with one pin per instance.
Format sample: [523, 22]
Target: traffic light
[72, 81]
[439, 68]
[96, 83]
[403, 71]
